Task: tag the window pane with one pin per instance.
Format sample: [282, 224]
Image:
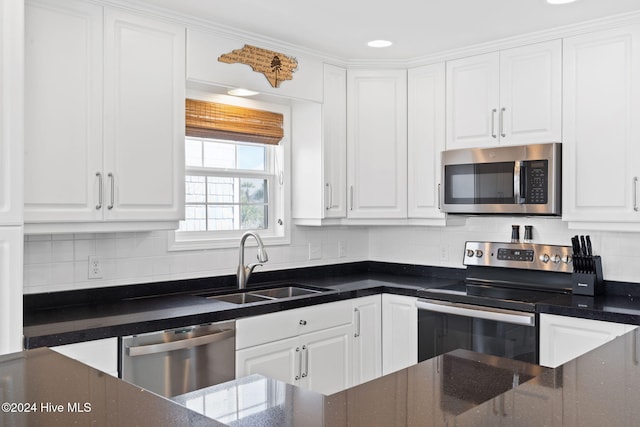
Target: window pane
[193, 152]
[221, 189]
[251, 157]
[253, 217]
[253, 190]
[195, 218]
[195, 189]
[219, 155]
[221, 218]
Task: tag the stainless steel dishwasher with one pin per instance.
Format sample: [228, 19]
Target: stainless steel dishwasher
[177, 361]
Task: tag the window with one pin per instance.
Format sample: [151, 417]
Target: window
[228, 185]
[234, 184]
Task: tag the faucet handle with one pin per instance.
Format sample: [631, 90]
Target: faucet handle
[250, 267]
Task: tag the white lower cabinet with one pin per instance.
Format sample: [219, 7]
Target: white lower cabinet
[564, 338]
[100, 354]
[399, 332]
[367, 338]
[309, 347]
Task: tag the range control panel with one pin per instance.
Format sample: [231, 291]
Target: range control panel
[530, 256]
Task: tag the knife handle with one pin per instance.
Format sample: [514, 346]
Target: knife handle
[589, 248]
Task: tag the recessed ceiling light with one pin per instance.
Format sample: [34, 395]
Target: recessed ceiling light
[242, 92]
[379, 43]
[560, 1]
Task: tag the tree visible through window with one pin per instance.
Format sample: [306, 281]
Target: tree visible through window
[227, 185]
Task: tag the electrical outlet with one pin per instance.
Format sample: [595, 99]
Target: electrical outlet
[95, 267]
[315, 250]
[342, 248]
[444, 253]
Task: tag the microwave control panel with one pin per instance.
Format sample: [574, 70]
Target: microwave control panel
[536, 182]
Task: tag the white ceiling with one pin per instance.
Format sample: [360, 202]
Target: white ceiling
[341, 28]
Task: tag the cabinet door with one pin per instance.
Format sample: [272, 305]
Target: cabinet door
[327, 359]
[279, 360]
[601, 129]
[11, 255]
[531, 94]
[144, 118]
[564, 338]
[63, 111]
[377, 143]
[11, 112]
[425, 140]
[399, 332]
[473, 101]
[367, 339]
[334, 138]
[100, 354]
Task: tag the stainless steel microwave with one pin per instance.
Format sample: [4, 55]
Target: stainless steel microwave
[524, 179]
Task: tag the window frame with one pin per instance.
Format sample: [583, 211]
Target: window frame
[279, 210]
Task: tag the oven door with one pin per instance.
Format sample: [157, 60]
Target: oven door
[445, 326]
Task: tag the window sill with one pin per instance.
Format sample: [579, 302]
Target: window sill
[195, 244]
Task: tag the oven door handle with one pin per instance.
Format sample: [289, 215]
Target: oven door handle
[143, 350]
[507, 316]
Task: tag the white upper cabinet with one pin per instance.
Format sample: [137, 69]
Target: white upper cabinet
[11, 98]
[510, 97]
[601, 145]
[377, 143]
[426, 104]
[104, 119]
[319, 133]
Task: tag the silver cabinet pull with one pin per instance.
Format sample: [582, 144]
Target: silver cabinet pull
[635, 193]
[100, 194]
[305, 355]
[357, 333]
[110, 175]
[330, 204]
[351, 197]
[181, 344]
[502, 134]
[297, 377]
[439, 197]
[493, 123]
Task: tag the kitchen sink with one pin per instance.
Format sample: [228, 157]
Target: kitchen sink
[267, 294]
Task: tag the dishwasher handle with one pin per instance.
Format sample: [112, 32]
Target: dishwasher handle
[143, 350]
[487, 313]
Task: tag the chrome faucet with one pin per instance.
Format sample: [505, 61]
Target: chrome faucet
[245, 271]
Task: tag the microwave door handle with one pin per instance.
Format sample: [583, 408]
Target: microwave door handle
[516, 181]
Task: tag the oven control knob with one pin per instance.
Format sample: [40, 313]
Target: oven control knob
[555, 258]
[479, 253]
[470, 252]
[544, 258]
[566, 259]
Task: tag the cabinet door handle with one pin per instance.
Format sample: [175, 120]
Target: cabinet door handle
[493, 123]
[439, 197]
[635, 193]
[113, 186]
[299, 357]
[502, 134]
[351, 197]
[357, 333]
[305, 355]
[100, 191]
[330, 204]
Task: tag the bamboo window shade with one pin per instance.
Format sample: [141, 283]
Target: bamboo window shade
[229, 122]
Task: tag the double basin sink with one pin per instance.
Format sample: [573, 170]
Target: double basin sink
[266, 294]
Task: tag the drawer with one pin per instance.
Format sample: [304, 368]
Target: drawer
[271, 327]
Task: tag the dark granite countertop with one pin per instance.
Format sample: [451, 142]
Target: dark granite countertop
[75, 316]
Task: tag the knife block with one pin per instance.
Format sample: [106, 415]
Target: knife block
[589, 283]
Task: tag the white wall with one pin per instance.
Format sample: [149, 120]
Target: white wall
[60, 262]
[444, 246]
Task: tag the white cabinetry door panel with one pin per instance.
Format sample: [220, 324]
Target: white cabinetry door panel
[426, 139]
[564, 338]
[367, 339]
[399, 332]
[63, 110]
[472, 101]
[601, 129]
[377, 143]
[327, 359]
[144, 117]
[279, 360]
[334, 137]
[531, 94]
[11, 262]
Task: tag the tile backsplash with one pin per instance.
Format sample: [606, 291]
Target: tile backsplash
[61, 262]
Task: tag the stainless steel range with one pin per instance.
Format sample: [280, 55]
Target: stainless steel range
[493, 310]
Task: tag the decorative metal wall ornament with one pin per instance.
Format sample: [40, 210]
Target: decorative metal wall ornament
[275, 66]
